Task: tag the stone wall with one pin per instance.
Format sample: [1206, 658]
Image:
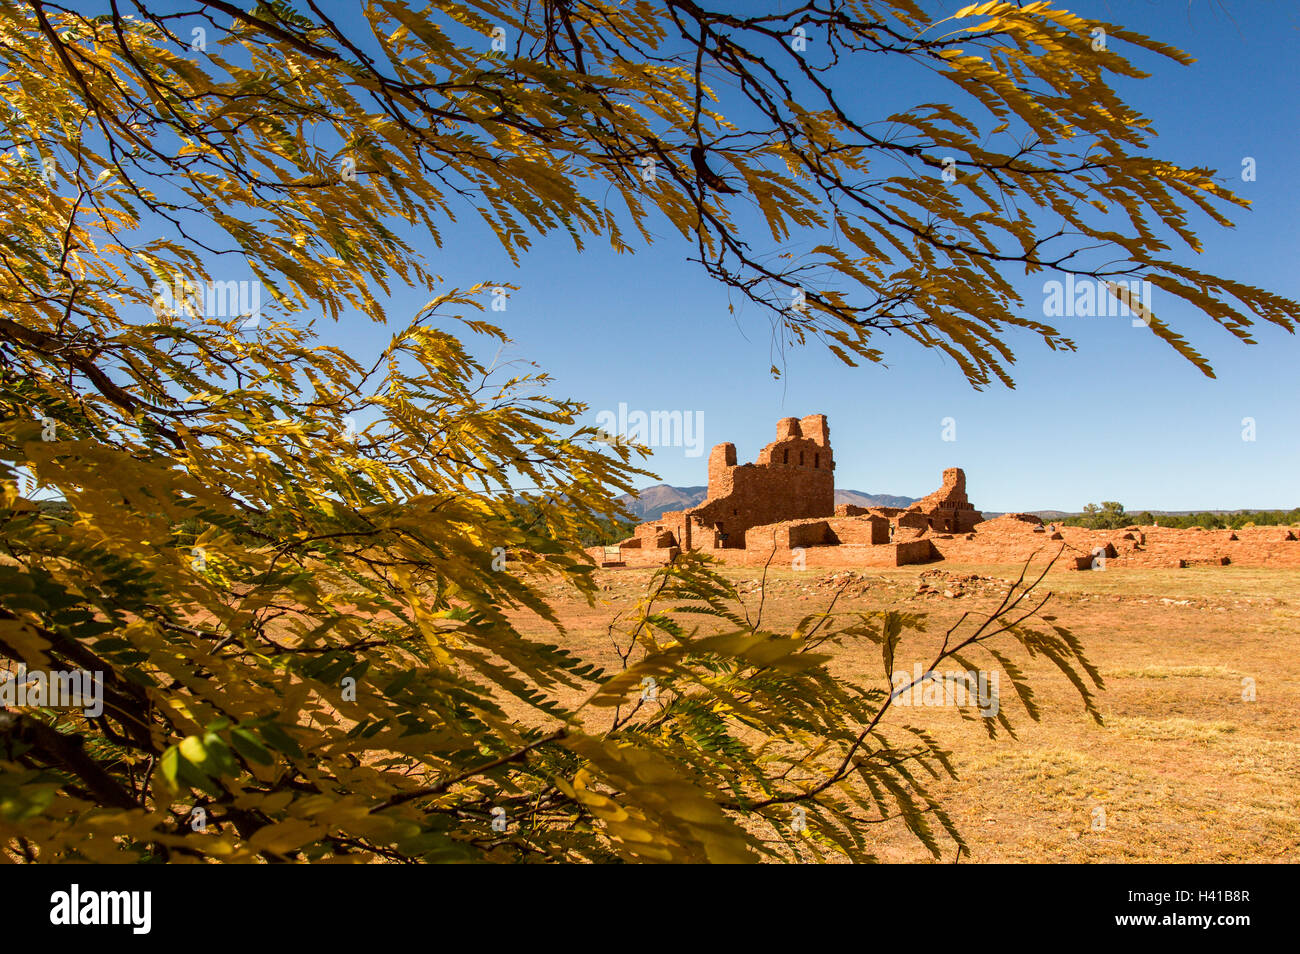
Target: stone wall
[844, 556]
[792, 479]
[785, 500]
[947, 509]
[1013, 539]
[867, 530]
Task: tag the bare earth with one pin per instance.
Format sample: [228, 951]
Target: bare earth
[1184, 769]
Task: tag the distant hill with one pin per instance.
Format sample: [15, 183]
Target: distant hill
[653, 502]
[860, 498]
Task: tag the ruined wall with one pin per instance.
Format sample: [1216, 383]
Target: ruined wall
[872, 529]
[1010, 539]
[849, 555]
[782, 508]
[812, 533]
[1014, 539]
[912, 520]
[656, 537]
[792, 479]
[673, 522]
[785, 501]
[947, 509]
[868, 530]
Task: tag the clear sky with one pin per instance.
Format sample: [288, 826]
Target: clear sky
[1125, 418]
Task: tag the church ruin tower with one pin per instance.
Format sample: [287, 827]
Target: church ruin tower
[792, 479]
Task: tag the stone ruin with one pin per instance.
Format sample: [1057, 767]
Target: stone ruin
[793, 478]
[781, 509]
[947, 509]
[785, 500]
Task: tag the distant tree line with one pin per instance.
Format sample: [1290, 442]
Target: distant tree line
[612, 531]
[1110, 515]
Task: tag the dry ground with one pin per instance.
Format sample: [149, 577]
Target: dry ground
[1183, 768]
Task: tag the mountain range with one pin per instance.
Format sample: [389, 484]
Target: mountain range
[653, 502]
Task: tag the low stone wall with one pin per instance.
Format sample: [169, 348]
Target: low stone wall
[865, 530]
[843, 556]
[1016, 542]
[632, 556]
[1008, 539]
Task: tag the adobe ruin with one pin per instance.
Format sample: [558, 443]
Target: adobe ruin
[781, 510]
[793, 478]
[785, 500]
[947, 509]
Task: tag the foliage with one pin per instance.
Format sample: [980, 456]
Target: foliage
[560, 129]
[1111, 516]
[605, 532]
[761, 727]
[301, 575]
[1232, 521]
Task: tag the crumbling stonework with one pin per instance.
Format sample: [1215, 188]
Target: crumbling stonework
[783, 504]
[1015, 538]
[792, 479]
[781, 510]
[947, 510]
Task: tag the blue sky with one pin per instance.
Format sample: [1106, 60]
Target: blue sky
[1124, 418]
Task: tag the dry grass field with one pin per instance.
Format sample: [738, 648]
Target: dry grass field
[1183, 769]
